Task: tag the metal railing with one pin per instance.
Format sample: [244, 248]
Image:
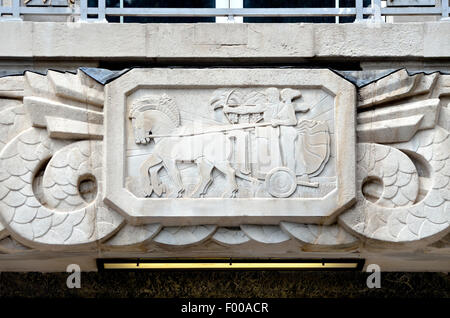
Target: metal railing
[374, 12]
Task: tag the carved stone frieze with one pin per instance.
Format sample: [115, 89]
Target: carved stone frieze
[265, 146]
[221, 160]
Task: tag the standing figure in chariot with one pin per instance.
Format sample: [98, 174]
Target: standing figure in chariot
[279, 111]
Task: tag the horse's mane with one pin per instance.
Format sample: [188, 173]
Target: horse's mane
[162, 103]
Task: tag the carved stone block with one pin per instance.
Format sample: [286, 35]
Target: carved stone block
[224, 163]
[263, 145]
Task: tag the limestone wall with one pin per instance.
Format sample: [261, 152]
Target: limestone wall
[243, 161]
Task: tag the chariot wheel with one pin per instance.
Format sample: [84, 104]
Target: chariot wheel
[281, 182]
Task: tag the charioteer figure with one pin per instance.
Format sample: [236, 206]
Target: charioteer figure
[263, 143]
[279, 111]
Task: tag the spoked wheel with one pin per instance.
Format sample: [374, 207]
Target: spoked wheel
[281, 182]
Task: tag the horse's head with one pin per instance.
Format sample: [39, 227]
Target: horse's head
[154, 115]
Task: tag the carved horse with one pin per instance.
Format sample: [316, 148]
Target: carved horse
[159, 116]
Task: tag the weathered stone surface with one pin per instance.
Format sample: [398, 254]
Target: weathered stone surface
[320, 236]
[99, 40]
[269, 144]
[354, 40]
[415, 181]
[185, 235]
[431, 34]
[395, 86]
[10, 246]
[235, 40]
[72, 129]
[397, 123]
[86, 39]
[230, 236]
[267, 234]
[81, 88]
[16, 39]
[12, 87]
[62, 145]
[52, 213]
[132, 235]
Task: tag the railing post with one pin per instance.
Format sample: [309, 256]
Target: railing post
[359, 11]
[83, 10]
[16, 9]
[336, 5]
[101, 10]
[121, 6]
[445, 10]
[376, 10]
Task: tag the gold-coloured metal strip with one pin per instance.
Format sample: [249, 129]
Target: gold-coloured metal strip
[229, 265]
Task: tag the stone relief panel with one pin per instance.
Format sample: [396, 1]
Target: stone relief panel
[221, 160]
[248, 144]
[245, 143]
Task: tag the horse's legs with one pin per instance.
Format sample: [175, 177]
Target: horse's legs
[204, 168]
[148, 187]
[157, 186]
[230, 175]
[174, 174]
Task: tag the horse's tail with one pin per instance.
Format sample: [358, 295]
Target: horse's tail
[150, 167]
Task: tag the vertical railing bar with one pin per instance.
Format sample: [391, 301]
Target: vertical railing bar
[230, 16]
[376, 10]
[445, 10]
[121, 7]
[16, 9]
[101, 10]
[359, 10]
[83, 10]
[336, 5]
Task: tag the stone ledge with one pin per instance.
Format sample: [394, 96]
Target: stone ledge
[209, 40]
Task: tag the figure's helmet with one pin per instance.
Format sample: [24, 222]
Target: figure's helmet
[289, 94]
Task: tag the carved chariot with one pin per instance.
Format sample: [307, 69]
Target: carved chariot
[280, 157]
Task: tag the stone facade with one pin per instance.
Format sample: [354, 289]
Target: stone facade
[224, 162]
